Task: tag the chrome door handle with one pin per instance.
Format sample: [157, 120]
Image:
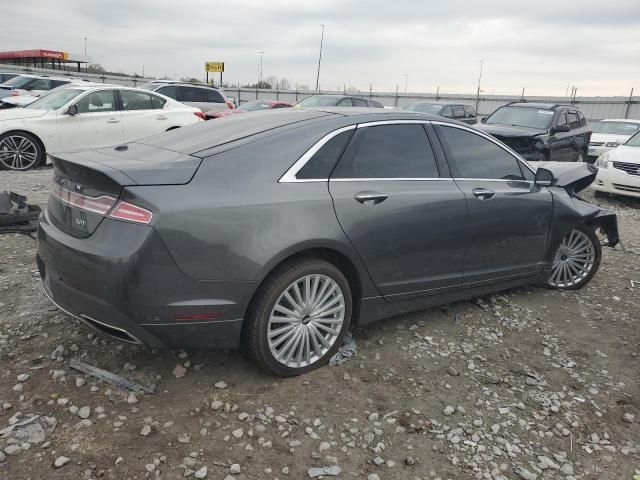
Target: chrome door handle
[113, 120]
[483, 193]
[161, 117]
[370, 198]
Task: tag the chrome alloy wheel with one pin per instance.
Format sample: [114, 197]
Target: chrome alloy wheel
[574, 260]
[18, 152]
[306, 320]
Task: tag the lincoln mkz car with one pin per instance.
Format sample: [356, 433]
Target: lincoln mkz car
[280, 230]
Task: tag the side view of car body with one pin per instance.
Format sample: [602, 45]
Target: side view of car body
[204, 97]
[83, 116]
[610, 133]
[619, 169]
[337, 101]
[541, 131]
[35, 85]
[460, 112]
[253, 106]
[279, 230]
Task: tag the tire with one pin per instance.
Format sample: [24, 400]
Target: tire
[301, 339]
[577, 259]
[20, 151]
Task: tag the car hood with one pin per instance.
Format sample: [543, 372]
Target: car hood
[20, 114]
[624, 154]
[571, 175]
[608, 137]
[509, 131]
[20, 100]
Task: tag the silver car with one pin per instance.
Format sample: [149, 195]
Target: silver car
[204, 97]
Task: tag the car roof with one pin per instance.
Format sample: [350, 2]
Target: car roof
[177, 82]
[626, 120]
[546, 106]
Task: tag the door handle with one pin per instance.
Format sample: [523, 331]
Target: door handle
[483, 193]
[370, 198]
[161, 117]
[113, 120]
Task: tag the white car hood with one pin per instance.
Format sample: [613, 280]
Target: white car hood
[20, 114]
[608, 137]
[625, 154]
[20, 100]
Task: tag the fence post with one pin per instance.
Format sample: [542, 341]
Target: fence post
[395, 103]
[296, 94]
[256, 93]
[277, 93]
[438, 93]
[626, 113]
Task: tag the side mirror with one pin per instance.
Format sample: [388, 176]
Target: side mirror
[72, 110]
[483, 120]
[560, 129]
[544, 177]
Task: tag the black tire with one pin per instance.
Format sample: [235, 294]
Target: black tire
[35, 146]
[597, 246]
[263, 303]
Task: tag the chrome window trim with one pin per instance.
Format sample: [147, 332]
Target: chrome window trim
[458, 179]
[493, 140]
[390, 179]
[290, 175]
[391, 122]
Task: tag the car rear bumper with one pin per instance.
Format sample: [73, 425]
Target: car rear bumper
[612, 180]
[123, 282]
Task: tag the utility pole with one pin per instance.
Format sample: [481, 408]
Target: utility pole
[406, 82]
[479, 80]
[319, 59]
[85, 48]
[260, 68]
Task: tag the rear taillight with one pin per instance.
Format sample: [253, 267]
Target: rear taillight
[230, 105]
[130, 212]
[99, 205]
[200, 114]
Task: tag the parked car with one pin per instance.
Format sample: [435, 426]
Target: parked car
[24, 100]
[460, 112]
[336, 101]
[31, 85]
[79, 117]
[4, 76]
[608, 134]
[253, 106]
[619, 170]
[204, 97]
[541, 131]
[280, 230]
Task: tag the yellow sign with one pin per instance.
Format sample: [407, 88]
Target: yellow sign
[214, 67]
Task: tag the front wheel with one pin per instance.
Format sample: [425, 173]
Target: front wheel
[298, 317]
[20, 151]
[577, 259]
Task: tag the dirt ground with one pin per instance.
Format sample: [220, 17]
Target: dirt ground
[527, 384]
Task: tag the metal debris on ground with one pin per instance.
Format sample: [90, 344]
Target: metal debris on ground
[21, 218]
[111, 378]
[347, 350]
[324, 471]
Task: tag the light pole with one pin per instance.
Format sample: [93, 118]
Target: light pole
[319, 59]
[479, 80]
[260, 68]
[85, 48]
[406, 81]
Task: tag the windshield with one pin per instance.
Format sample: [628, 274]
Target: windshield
[633, 141]
[521, 117]
[616, 128]
[424, 108]
[319, 101]
[255, 105]
[55, 99]
[18, 82]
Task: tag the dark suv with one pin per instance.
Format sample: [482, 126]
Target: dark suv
[541, 131]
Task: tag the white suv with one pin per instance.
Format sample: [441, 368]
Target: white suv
[204, 97]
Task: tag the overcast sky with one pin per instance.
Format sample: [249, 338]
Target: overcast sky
[540, 45]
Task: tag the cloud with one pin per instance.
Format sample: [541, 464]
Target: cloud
[537, 45]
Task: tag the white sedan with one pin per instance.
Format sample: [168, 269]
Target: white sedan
[610, 133]
[619, 169]
[80, 117]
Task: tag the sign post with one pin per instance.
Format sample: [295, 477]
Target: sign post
[214, 67]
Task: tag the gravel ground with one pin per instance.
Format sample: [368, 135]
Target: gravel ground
[527, 384]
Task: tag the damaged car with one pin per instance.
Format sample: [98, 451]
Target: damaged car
[278, 231]
[541, 131]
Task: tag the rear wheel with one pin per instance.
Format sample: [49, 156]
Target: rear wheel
[20, 151]
[298, 317]
[577, 259]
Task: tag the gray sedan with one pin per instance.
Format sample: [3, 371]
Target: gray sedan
[280, 230]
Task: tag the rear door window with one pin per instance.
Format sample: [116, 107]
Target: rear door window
[458, 111]
[157, 103]
[447, 112]
[135, 100]
[319, 167]
[190, 94]
[213, 96]
[359, 102]
[389, 151]
[474, 156]
[469, 111]
[346, 102]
